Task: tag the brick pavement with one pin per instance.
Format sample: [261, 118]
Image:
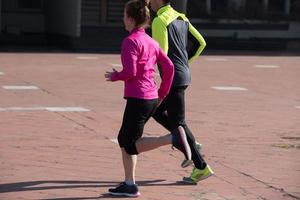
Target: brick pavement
[251, 138]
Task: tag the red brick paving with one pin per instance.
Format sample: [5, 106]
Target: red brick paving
[251, 138]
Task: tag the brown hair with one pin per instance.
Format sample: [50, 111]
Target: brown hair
[138, 10]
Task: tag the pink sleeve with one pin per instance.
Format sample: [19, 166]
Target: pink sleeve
[129, 61]
[167, 68]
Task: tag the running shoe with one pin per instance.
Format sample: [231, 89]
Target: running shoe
[198, 175]
[125, 190]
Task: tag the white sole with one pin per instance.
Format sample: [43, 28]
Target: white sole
[125, 194]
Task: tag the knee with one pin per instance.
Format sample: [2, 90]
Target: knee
[128, 145]
[131, 149]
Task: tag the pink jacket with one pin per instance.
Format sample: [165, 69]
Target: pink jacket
[139, 55]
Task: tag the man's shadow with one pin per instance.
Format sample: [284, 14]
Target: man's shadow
[61, 184]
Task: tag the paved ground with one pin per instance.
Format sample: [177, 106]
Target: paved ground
[251, 135]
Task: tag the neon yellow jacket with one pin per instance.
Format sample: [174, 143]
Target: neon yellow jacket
[179, 39]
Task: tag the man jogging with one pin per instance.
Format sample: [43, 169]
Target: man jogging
[182, 43]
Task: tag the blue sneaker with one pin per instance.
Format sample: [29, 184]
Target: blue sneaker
[125, 190]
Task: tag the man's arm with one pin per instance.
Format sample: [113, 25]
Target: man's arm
[196, 43]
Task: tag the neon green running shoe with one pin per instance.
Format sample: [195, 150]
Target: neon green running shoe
[198, 175]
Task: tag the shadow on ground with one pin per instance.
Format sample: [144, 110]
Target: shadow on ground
[61, 184]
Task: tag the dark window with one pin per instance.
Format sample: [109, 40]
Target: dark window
[295, 9]
[276, 10]
[30, 4]
[276, 6]
[8, 5]
[196, 9]
[254, 9]
[219, 8]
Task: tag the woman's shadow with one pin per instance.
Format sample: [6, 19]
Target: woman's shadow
[61, 184]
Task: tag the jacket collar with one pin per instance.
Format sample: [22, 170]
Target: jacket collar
[135, 30]
[163, 9]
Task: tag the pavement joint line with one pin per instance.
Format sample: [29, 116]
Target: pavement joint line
[229, 88]
[267, 66]
[20, 87]
[40, 108]
[78, 123]
[216, 59]
[281, 190]
[87, 58]
[22, 109]
[66, 109]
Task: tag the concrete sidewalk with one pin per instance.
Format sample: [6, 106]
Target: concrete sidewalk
[251, 137]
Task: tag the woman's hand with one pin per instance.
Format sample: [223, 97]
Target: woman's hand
[108, 75]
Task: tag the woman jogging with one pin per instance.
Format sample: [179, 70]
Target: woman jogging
[139, 55]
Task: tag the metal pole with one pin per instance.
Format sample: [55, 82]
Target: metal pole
[103, 13]
[287, 7]
[265, 6]
[208, 7]
[179, 5]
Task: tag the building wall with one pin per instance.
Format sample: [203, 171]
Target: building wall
[91, 12]
[283, 30]
[16, 19]
[63, 17]
[18, 23]
[246, 19]
[0, 16]
[232, 19]
[245, 9]
[97, 13]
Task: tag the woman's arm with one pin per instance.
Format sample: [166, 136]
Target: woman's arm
[129, 61]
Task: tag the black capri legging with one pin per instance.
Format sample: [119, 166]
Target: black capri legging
[137, 113]
[171, 114]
